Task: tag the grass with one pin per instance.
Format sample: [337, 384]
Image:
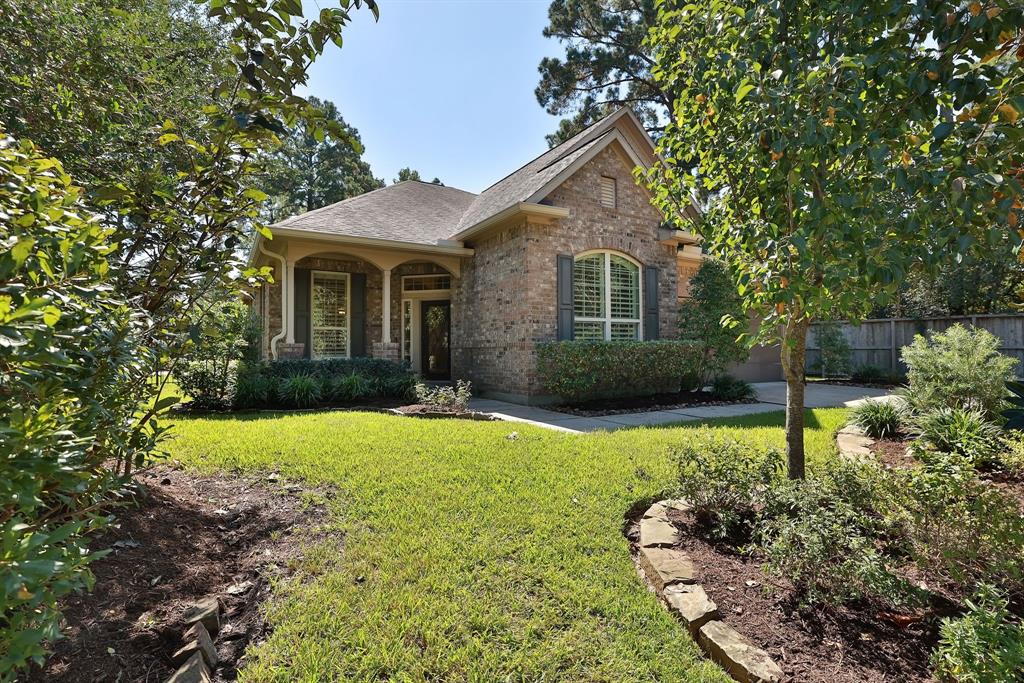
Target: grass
[469, 555]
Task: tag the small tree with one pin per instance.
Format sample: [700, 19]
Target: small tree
[841, 144]
[709, 320]
[833, 349]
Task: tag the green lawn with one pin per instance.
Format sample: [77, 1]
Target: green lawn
[483, 558]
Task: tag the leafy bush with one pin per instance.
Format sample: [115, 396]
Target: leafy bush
[73, 372]
[713, 296]
[870, 374]
[583, 371]
[370, 368]
[300, 391]
[960, 431]
[723, 479]
[955, 527]
[985, 645]
[824, 538]
[455, 399]
[879, 419]
[958, 368]
[347, 388]
[252, 390]
[731, 389]
[834, 350]
[210, 384]
[1015, 413]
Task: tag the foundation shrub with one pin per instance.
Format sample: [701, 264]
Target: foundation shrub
[581, 371]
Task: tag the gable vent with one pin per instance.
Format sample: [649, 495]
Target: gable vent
[608, 191]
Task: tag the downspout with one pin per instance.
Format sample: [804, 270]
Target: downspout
[284, 299]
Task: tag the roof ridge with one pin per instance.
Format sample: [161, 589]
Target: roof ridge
[570, 145]
[348, 200]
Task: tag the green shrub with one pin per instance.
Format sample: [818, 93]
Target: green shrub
[300, 391]
[455, 399]
[870, 374]
[955, 527]
[252, 390]
[958, 368]
[347, 388]
[337, 380]
[1014, 414]
[985, 645]
[834, 350]
[723, 479]
[209, 384]
[821, 533]
[74, 371]
[731, 389]
[879, 419]
[581, 371]
[713, 296]
[960, 431]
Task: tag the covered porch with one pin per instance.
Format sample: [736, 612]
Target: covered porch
[339, 297]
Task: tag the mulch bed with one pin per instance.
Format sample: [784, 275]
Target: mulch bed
[189, 537]
[421, 410]
[860, 643]
[643, 404]
[892, 453]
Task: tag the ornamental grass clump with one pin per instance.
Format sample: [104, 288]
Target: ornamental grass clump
[879, 419]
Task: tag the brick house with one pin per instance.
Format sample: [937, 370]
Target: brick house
[463, 286]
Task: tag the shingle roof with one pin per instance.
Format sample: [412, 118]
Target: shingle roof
[409, 211]
[424, 213]
[523, 183]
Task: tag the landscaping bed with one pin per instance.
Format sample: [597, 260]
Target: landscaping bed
[643, 404]
[190, 537]
[852, 643]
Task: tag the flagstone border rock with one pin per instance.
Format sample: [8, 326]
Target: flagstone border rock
[197, 657]
[673, 577]
[854, 444]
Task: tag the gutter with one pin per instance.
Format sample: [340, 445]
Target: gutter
[284, 297]
[447, 247]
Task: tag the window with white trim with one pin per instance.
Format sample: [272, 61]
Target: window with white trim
[330, 315]
[606, 297]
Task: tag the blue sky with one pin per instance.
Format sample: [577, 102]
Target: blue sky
[443, 86]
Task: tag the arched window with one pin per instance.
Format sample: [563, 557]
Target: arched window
[606, 297]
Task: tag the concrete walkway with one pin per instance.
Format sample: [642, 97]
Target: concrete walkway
[771, 397]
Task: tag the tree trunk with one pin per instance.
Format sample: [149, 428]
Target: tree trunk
[794, 347]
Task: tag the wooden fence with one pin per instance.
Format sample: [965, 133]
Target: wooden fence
[878, 342]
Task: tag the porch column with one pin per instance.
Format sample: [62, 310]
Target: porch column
[288, 310]
[385, 323]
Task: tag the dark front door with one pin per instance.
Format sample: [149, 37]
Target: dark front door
[435, 348]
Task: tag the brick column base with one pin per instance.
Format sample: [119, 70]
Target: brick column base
[387, 350]
[290, 351]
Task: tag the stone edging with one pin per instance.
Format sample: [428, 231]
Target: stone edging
[672, 575]
[197, 658]
[854, 444]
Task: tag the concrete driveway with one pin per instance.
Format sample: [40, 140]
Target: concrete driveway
[771, 396]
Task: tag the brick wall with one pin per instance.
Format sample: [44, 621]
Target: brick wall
[507, 299]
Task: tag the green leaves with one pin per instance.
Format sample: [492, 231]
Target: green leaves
[742, 91]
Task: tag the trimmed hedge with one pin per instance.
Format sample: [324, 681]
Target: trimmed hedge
[582, 371]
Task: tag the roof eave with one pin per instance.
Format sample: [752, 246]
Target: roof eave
[524, 208]
[449, 247]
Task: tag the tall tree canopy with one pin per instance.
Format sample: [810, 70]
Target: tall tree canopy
[607, 64]
[310, 171]
[412, 174]
[843, 144]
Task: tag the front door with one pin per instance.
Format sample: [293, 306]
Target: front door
[435, 347]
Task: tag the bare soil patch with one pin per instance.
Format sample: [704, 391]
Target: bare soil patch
[857, 643]
[893, 452]
[187, 538]
[643, 404]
